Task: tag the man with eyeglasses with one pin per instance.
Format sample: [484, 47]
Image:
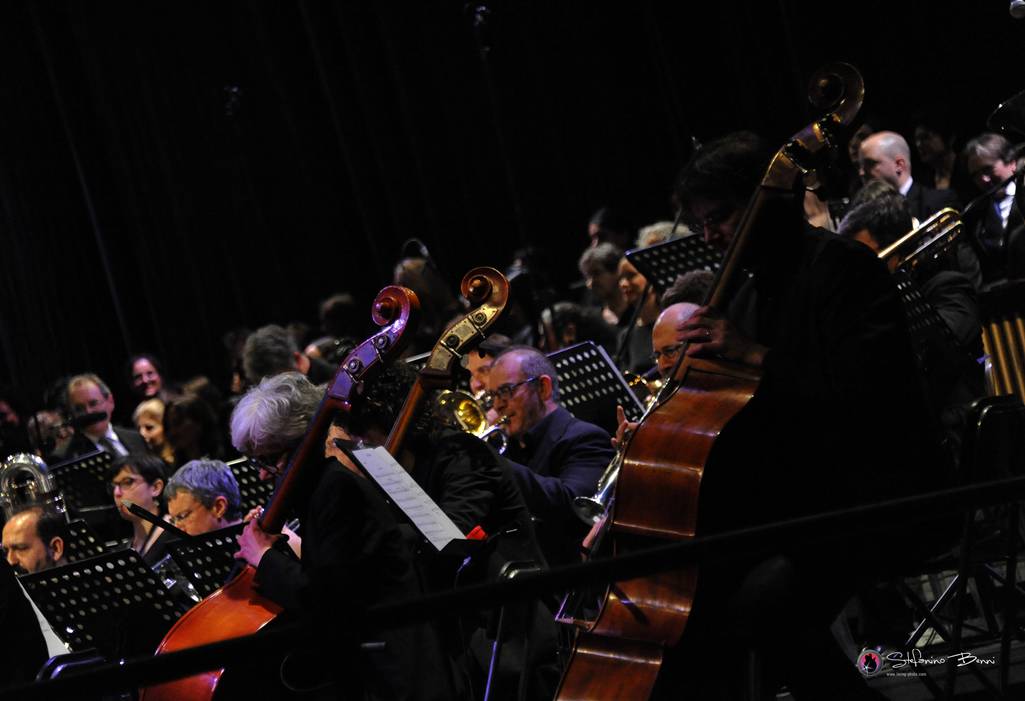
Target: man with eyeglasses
[554, 456]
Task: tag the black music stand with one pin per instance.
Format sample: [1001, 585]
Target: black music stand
[82, 542]
[113, 603]
[662, 263]
[83, 481]
[208, 559]
[590, 385]
[254, 491]
[931, 338]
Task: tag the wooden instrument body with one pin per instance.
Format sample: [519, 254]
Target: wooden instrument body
[656, 497]
[232, 611]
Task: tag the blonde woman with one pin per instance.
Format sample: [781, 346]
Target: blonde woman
[149, 420]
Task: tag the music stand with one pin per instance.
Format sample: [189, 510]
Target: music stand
[253, 490]
[82, 542]
[113, 603]
[590, 385]
[930, 335]
[83, 481]
[662, 263]
[208, 559]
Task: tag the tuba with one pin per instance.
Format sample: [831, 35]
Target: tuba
[25, 481]
[462, 411]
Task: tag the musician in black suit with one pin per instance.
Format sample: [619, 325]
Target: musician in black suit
[353, 554]
[995, 229]
[87, 394]
[953, 376]
[554, 456]
[838, 419]
[22, 646]
[474, 488]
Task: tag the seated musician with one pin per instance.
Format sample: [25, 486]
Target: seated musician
[474, 488]
[34, 540]
[353, 555]
[203, 496]
[22, 645]
[823, 321]
[954, 376]
[554, 456]
[140, 479]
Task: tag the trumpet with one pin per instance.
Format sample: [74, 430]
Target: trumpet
[461, 410]
[591, 509]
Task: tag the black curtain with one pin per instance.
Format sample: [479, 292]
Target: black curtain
[169, 171]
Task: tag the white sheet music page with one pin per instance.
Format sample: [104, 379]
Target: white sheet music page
[409, 496]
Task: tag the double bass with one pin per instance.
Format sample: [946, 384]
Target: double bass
[651, 490]
[237, 608]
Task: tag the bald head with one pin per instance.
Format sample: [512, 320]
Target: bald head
[666, 334]
[886, 156]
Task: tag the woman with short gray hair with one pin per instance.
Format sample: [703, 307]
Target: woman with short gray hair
[203, 496]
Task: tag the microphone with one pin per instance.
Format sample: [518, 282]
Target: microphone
[1017, 9]
[155, 520]
[83, 420]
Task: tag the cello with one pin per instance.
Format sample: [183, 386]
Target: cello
[237, 609]
[652, 488]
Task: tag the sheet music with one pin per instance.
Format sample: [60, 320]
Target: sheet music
[402, 489]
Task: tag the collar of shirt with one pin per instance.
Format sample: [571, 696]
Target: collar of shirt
[906, 187]
[1004, 205]
[112, 437]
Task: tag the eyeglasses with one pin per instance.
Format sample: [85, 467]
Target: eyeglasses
[125, 483]
[669, 352]
[506, 391]
[714, 218]
[268, 464]
[180, 518]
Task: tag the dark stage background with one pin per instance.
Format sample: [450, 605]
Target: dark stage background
[169, 171]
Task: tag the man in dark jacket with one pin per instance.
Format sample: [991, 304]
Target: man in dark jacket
[554, 456]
